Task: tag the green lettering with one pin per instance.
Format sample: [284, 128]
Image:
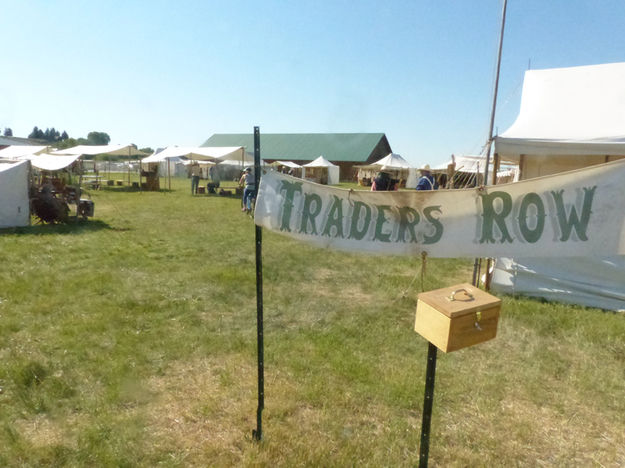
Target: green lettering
[408, 220]
[354, 232]
[309, 213]
[532, 235]
[573, 221]
[438, 227]
[379, 224]
[490, 216]
[335, 219]
[290, 188]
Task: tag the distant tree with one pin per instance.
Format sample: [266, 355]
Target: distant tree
[98, 138]
[64, 135]
[37, 133]
[146, 150]
[67, 143]
[8, 132]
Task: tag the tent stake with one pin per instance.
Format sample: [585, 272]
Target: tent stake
[258, 432]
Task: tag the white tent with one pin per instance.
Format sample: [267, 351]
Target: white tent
[322, 171]
[393, 163]
[20, 151]
[569, 118]
[14, 202]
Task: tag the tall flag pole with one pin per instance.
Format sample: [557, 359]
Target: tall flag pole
[258, 432]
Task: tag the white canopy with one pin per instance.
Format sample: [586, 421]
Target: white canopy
[569, 111]
[19, 151]
[202, 153]
[320, 162]
[53, 162]
[393, 162]
[113, 150]
[390, 161]
[14, 202]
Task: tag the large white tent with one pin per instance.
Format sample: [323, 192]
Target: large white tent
[569, 118]
[395, 164]
[14, 201]
[322, 171]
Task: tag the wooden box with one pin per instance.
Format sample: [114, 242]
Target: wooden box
[456, 317]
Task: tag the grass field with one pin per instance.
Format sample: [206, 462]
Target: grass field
[130, 340]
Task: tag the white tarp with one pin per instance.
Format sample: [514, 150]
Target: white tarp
[20, 151]
[92, 150]
[14, 202]
[53, 162]
[333, 169]
[578, 213]
[569, 111]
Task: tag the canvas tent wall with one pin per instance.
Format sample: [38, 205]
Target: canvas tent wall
[322, 171]
[14, 201]
[569, 118]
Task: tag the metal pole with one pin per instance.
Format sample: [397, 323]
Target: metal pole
[428, 401]
[258, 433]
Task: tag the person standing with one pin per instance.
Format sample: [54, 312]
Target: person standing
[248, 180]
[195, 177]
[383, 182]
[427, 180]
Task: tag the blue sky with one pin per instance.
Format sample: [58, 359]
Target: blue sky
[158, 73]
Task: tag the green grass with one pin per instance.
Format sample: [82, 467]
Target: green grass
[130, 340]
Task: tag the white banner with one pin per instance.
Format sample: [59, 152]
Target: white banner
[575, 214]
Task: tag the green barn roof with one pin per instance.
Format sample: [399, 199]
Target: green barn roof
[347, 147]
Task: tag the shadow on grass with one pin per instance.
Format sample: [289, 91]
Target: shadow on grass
[73, 226]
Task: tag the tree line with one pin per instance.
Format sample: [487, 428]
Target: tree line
[63, 140]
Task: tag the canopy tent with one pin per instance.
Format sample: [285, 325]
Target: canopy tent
[14, 199]
[322, 171]
[572, 116]
[569, 118]
[92, 150]
[395, 165]
[21, 151]
[289, 167]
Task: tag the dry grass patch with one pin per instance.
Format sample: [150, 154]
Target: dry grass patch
[204, 410]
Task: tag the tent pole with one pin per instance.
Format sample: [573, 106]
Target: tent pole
[168, 174]
[477, 264]
[258, 433]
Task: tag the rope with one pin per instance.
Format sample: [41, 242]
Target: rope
[420, 273]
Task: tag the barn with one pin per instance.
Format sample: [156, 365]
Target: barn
[343, 149]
